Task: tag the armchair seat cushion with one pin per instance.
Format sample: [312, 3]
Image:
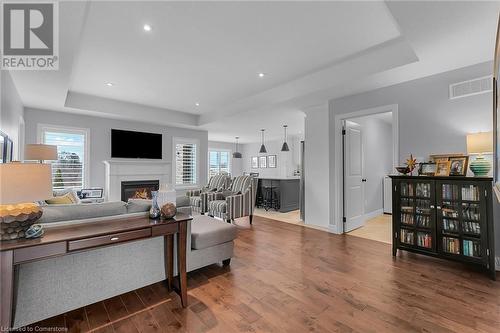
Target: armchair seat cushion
[207, 232]
[217, 206]
[195, 201]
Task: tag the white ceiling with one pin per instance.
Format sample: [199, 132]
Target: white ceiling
[211, 53]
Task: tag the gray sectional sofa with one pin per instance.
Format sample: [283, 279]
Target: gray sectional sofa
[58, 285]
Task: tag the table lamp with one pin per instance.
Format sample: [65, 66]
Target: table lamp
[40, 152]
[20, 185]
[480, 143]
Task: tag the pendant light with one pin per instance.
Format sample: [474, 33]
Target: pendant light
[285, 145]
[236, 153]
[262, 147]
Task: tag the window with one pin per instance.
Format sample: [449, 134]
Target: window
[186, 162]
[70, 170]
[218, 162]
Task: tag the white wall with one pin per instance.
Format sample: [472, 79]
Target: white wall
[236, 163]
[100, 138]
[286, 162]
[11, 113]
[429, 122]
[317, 168]
[377, 159]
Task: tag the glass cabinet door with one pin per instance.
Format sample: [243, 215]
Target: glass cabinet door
[460, 215]
[416, 215]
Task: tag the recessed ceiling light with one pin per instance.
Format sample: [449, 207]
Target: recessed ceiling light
[147, 27]
[110, 84]
[197, 104]
[262, 74]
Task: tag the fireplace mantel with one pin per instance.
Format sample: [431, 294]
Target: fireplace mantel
[128, 170]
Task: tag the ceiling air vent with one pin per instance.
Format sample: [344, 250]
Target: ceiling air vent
[471, 87]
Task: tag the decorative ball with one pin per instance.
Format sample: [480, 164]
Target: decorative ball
[168, 210]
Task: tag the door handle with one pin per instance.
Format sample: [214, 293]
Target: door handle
[363, 180]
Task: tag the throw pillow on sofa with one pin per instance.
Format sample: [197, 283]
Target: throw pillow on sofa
[61, 200]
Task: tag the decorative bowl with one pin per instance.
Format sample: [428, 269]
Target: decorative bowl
[403, 170]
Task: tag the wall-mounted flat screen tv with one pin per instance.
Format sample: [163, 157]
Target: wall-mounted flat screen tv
[131, 144]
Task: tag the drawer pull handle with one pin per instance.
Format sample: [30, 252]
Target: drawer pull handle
[114, 238]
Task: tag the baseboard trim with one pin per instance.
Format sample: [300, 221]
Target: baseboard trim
[374, 214]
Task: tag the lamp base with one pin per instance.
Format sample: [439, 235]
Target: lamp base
[480, 167]
[16, 219]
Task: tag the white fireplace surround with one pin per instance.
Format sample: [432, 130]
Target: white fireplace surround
[118, 171]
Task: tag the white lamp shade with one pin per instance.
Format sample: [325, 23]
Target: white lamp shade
[21, 183]
[479, 143]
[40, 152]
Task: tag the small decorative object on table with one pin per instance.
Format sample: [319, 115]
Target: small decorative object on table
[404, 170]
[20, 185]
[154, 212]
[168, 210]
[411, 163]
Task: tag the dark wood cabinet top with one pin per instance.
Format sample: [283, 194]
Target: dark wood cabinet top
[449, 178]
[91, 229]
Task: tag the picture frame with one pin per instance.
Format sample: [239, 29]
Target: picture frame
[427, 169]
[91, 193]
[271, 161]
[442, 168]
[9, 150]
[458, 165]
[255, 162]
[262, 162]
[3, 144]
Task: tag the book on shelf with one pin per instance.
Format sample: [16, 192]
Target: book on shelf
[470, 193]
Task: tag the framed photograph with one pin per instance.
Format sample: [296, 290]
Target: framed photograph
[458, 165]
[442, 168]
[255, 162]
[427, 169]
[3, 143]
[262, 162]
[271, 161]
[9, 150]
[91, 193]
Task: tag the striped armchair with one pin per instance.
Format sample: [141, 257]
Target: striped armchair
[198, 198]
[239, 201]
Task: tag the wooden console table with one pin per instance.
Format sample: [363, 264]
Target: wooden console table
[69, 239]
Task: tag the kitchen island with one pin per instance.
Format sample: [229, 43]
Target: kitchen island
[284, 190]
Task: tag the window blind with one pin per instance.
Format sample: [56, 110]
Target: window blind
[185, 164]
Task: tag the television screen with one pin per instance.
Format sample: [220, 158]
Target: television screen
[130, 144]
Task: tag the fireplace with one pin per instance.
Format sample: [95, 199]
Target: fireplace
[138, 189]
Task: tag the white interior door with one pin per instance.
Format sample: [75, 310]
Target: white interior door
[354, 196]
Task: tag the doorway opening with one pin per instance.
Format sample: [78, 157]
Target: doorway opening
[369, 144]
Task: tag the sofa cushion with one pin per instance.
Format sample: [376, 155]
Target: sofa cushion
[57, 213]
[138, 205]
[207, 231]
[67, 198]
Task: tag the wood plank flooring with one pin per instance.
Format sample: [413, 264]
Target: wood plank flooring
[288, 278]
[378, 228]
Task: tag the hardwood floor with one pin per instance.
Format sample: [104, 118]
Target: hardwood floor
[287, 278]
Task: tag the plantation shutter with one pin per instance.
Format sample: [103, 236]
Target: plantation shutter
[185, 164]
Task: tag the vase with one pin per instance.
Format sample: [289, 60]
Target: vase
[480, 166]
[154, 211]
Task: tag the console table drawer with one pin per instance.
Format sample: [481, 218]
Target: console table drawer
[108, 239]
[165, 229]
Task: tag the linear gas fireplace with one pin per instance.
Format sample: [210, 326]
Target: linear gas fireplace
[138, 189]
